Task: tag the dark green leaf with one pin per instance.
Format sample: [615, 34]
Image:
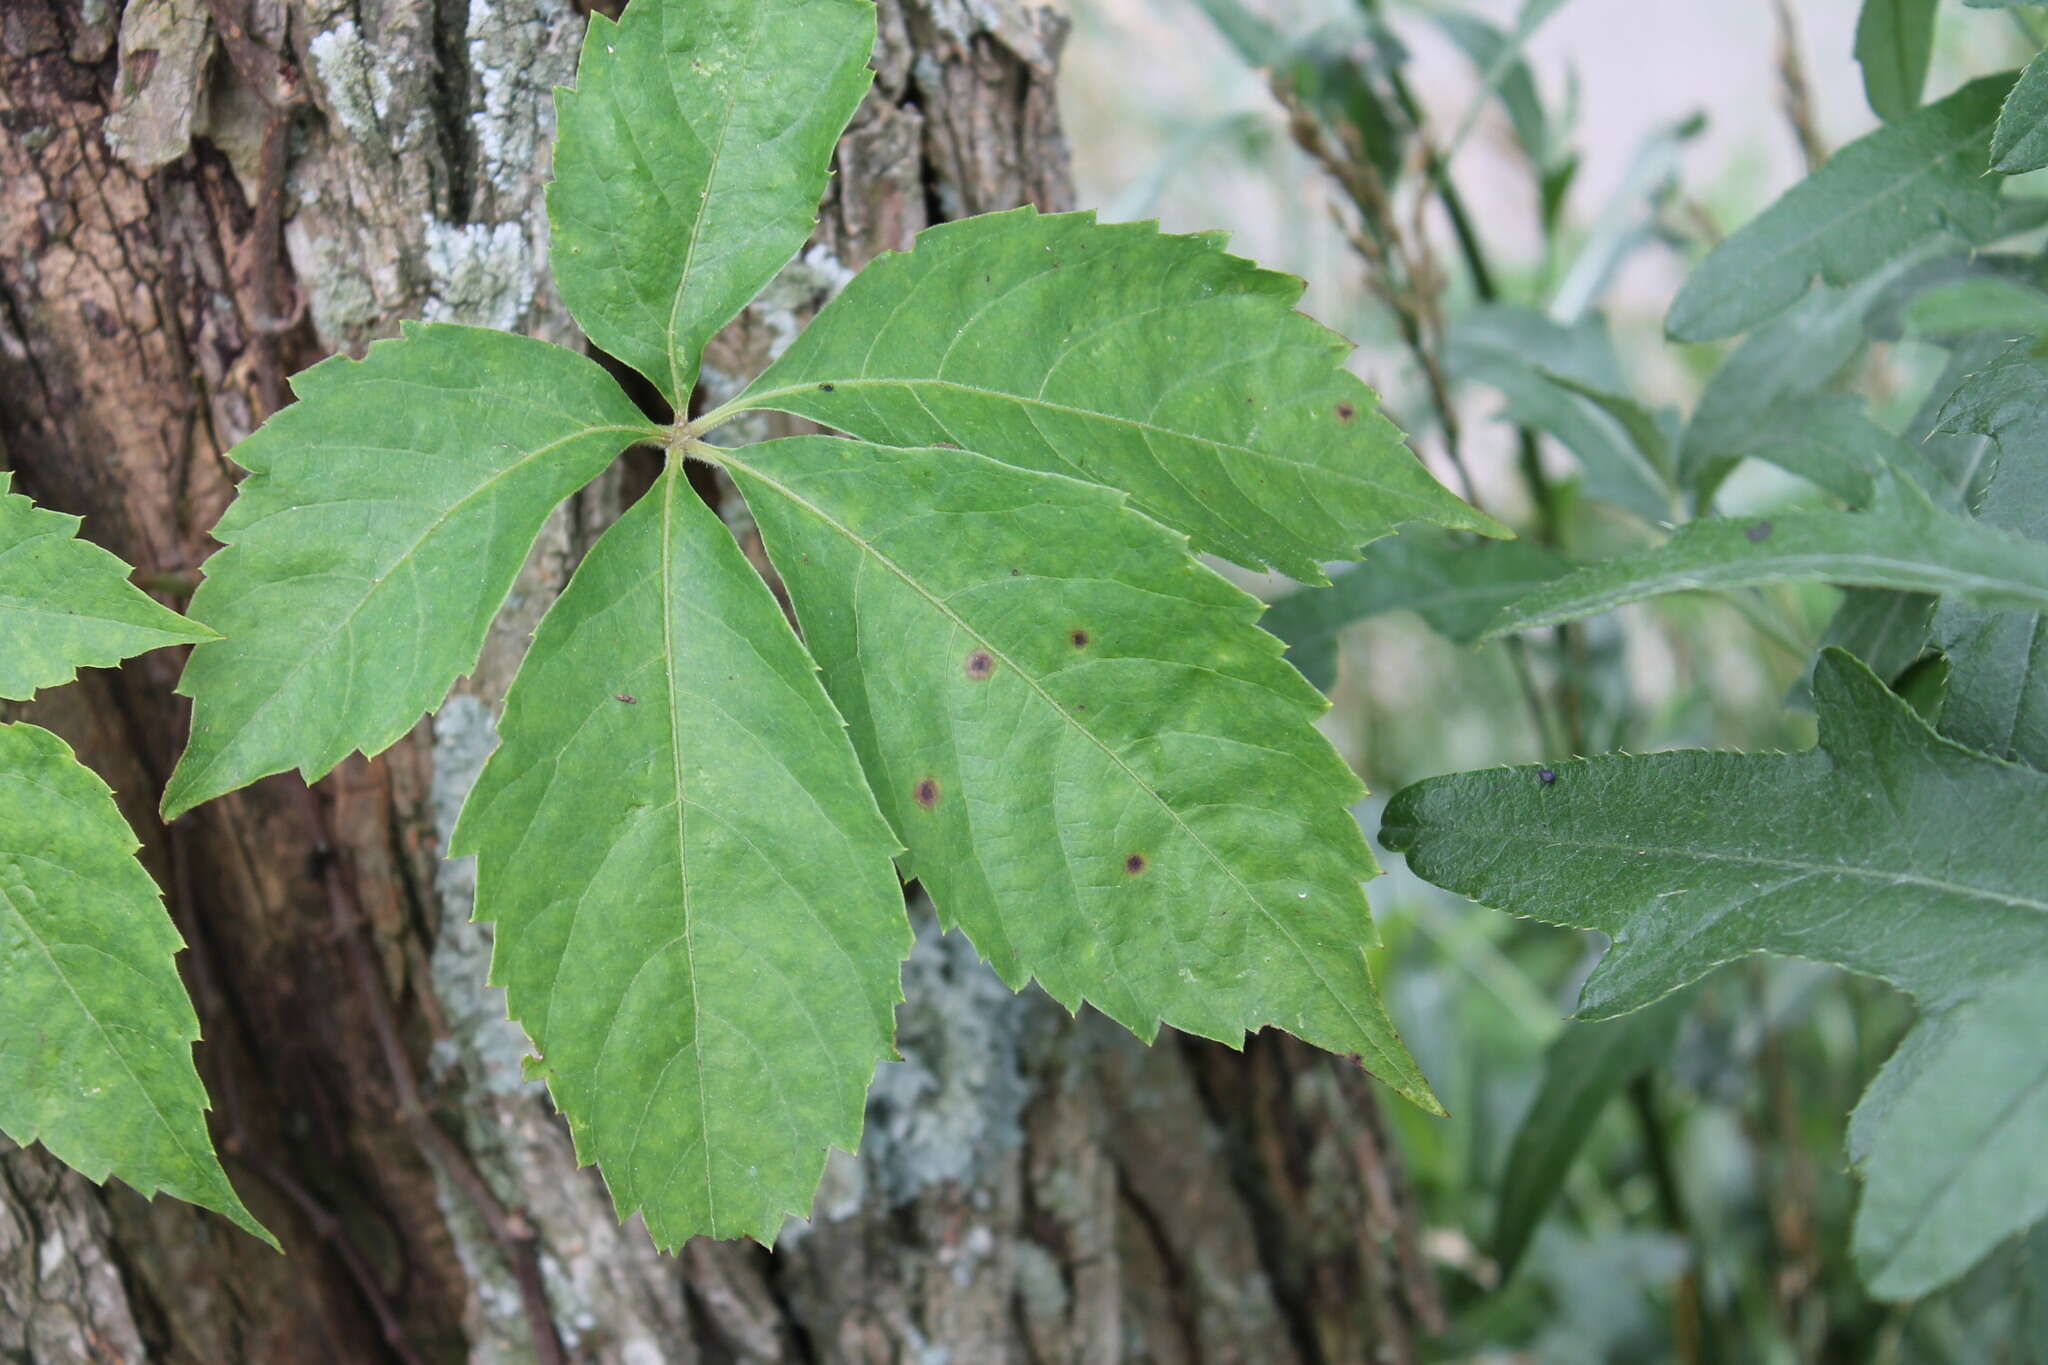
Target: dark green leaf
[1123, 356]
[1948, 1138]
[1878, 199]
[1888, 850]
[1830, 441]
[1902, 541]
[66, 604]
[1587, 1065]
[1894, 39]
[697, 920]
[2020, 142]
[1103, 769]
[1799, 352]
[690, 161]
[1459, 587]
[384, 518]
[1561, 380]
[1998, 678]
[98, 1058]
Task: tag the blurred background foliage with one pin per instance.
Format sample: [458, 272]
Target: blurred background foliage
[1549, 171]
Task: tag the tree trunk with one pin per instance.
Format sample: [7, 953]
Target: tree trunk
[198, 197]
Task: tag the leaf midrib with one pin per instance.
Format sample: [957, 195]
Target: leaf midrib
[766, 399]
[717, 150]
[1711, 855]
[1814, 563]
[671, 478]
[1365, 1032]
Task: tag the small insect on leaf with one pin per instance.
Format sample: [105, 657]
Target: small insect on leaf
[621, 696]
[1758, 533]
[1546, 775]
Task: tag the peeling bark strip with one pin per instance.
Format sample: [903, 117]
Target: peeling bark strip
[1031, 1189]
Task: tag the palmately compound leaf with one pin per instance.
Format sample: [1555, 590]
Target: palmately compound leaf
[698, 923]
[66, 604]
[1998, 660]
[690, 161]
[1888, 850]
[1877, 200]
[1457, 586]
[384, 518]
[98, 1058]
[1103, 769]
[1903, 541]
[1156, 364]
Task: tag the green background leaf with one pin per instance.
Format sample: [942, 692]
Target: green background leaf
[690, 161]
[1126, 357]
[1888, 850]
[1102, 768]
[2020, 142]
[1587, 1065]
[98, 1063]
[1902, 541]
[1554, 378]
[1894, 39]
[1458, 587]
[1948, 1139]
[66, 604]
[1998, 660]
[698, 923]
[384, 518]
[1876, 200]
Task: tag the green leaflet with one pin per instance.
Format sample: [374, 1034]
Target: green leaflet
[1118, 354]
[66, 604]
[1894, 39]
[1458, 587]
[691, 157]
[2020, 142]
[384, 519]
[98, 1061]
[697, 920]
[1907, 184]
[1888, 850]
[1998, 660]
[1902, 541]
[1103, 770]
[1587, 1065]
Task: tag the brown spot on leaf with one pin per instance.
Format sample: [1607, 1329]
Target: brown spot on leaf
[979, 665]
[1135, 864]
[1345, 412]
[1758, 533]
[928, 792]
[1080, 639]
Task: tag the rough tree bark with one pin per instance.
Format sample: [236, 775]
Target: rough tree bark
[198, 197]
